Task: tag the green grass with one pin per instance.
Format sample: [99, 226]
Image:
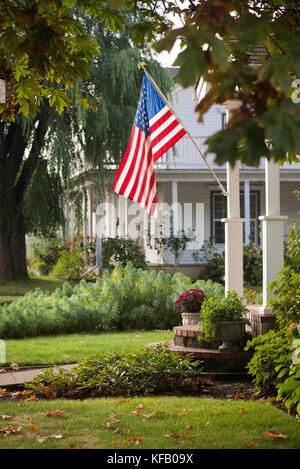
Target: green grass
[71, 348]
[162, 422]
[10, 290]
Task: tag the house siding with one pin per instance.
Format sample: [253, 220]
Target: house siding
[195, 182]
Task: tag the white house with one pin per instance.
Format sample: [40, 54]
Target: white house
[189, 197]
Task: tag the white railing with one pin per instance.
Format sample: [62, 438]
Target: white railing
[184, 155]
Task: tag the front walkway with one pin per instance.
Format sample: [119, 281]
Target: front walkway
[16, 378]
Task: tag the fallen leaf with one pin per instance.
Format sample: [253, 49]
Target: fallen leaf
[203, 424]
[54, 413]
[132, 441]
[273, 433]
[32, 427]
[41, 439]
[111, 420]
[14, 366]
[249, 445]
[114, 443]
[74, 447]
[2, 370]
[173, 435]
[243, 411]
[11, 429]
[118, 430]
[31, 398]
[5, 417]
[239, 395]
[207, 382]
[49, 392]
[179, 436]
[212, 443]
[183, 412]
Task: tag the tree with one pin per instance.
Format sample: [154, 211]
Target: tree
[220, 41]
[48, 52]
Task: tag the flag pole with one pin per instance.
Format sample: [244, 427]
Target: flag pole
[142, 65]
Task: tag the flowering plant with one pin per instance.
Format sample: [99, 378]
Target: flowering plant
[191, 300]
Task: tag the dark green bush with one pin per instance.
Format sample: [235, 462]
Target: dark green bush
[252, 262]
[123, 250]
[212, 259]
[148, 371]
[274, 349]
[214, 262]
[268, 349]
[289, 389]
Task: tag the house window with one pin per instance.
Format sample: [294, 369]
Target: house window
[219, 211]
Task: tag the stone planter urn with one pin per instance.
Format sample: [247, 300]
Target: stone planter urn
[231, 333]
[190, 319]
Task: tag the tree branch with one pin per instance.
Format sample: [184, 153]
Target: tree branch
[37, 145]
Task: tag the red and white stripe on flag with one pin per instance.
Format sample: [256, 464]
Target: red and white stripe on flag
[155, 130]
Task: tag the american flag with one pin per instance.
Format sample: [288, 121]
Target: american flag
[155, 130]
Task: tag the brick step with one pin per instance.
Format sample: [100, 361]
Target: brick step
[213, 360]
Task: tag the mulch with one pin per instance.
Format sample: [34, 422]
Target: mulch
[227, 389]
[242, 389]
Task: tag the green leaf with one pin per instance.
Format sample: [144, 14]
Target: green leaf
[192, 63]
[283, 372]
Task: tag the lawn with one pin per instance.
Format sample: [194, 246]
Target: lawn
[9, 290]
[162, 422]
[71, 348]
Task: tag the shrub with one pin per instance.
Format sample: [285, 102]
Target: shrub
[70, 264]
[289, 390]
[286, 297]
[46, 248]
[275, 347]
[292, 248]
[148, 371]
[213, 260]
[126, 299]
[215, 310]
[115, 250]
[268, 349]
[175, 244]
[252, 263]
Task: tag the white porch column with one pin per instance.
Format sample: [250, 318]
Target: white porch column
[112, 217]
[123, 216]
[174, 206]
[94, 209]
[247, 210]
[233, 224]
[272, 230]
[89, 211]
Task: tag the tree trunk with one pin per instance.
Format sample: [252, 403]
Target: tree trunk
[13, 249]
[15, 175]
